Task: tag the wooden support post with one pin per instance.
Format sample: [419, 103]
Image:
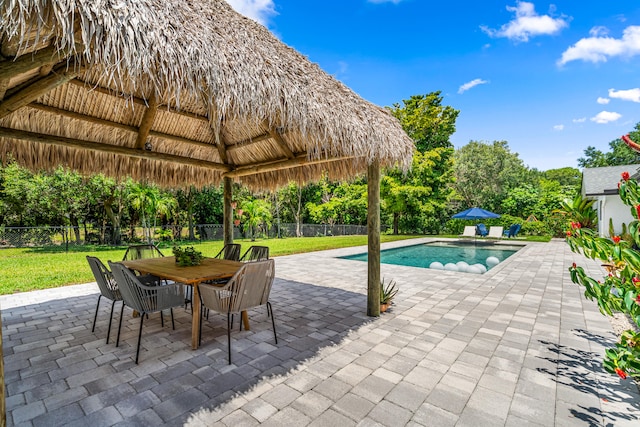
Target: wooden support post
[373, 229]
[3, 406]
[227, 211]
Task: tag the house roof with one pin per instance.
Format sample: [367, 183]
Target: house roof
[178, 93]
[604, 180]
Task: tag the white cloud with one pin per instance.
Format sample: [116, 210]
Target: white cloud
[258, 10]
[475, 82]
[580, 120]
[603, 101]
[558, 127]
[527, 23]
[604, 117]
[599, 31]
[626, 95]
[599, 48]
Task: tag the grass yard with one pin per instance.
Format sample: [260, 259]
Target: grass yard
[26, 269]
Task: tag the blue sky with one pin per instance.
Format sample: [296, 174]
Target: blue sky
[548, 78]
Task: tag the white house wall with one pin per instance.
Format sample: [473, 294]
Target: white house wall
[612, 207]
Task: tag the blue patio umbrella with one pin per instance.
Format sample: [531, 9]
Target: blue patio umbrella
[475, 213]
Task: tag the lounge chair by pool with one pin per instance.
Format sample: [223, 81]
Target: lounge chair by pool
[495, 232]
[469, 231]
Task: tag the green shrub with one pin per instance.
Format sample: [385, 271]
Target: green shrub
[619, 290]
[535, 228]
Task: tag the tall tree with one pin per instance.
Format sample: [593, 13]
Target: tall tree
[186, 200]
[291, 199]
[486, 172]
[426, 120]
[416, 199]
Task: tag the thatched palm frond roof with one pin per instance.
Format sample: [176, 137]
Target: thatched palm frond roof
[177, 92]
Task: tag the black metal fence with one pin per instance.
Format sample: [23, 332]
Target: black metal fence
[62, 235]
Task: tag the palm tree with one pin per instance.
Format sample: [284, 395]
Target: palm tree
[166, 205]
[143, 199]
[256, 212]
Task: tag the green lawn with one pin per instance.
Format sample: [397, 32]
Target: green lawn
[26, 269]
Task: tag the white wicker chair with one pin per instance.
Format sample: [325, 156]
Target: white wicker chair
[248, 288]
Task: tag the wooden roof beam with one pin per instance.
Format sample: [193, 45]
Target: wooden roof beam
[107, 148]
[249, 141]
[12, 68]
[109, 123]
[36, 89]
[283, 145]
[136, 100]
[299, 160]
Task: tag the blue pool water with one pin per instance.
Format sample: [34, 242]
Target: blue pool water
[443, 252]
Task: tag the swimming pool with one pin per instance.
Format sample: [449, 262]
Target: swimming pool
[446, 256]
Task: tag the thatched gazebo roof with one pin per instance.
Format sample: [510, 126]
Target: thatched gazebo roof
[177, 93]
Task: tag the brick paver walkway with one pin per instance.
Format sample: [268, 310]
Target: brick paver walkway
[517, 346]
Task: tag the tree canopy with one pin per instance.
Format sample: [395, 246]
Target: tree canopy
[427, 121]
[619, 154]
[485, 172]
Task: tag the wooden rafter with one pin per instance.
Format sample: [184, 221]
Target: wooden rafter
[283, 145]
[146, 123]
[249, 141]
[11, 68]
[107, 148]
[135, 99]
[36, 89]
[299, 160]
[4, 85]
[112, 124]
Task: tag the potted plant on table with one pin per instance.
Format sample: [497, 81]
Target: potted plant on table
[387, 292]
[187, 256]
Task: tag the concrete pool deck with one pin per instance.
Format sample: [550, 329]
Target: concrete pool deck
[519, 345]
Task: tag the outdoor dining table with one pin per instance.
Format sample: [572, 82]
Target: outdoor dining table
[209, 269]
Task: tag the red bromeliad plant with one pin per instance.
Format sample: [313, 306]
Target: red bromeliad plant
[619, 291]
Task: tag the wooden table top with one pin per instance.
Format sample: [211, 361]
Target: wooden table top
[166, 268]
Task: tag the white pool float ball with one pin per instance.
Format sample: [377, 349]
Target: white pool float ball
[474, 269]
[462, 266]
[492, 261]
[436, 265]
[480, 267]
[450, 266]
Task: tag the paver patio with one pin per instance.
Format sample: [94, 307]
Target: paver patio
[519, 345]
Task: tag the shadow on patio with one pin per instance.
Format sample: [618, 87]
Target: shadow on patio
[58, 372]
[576, 374]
